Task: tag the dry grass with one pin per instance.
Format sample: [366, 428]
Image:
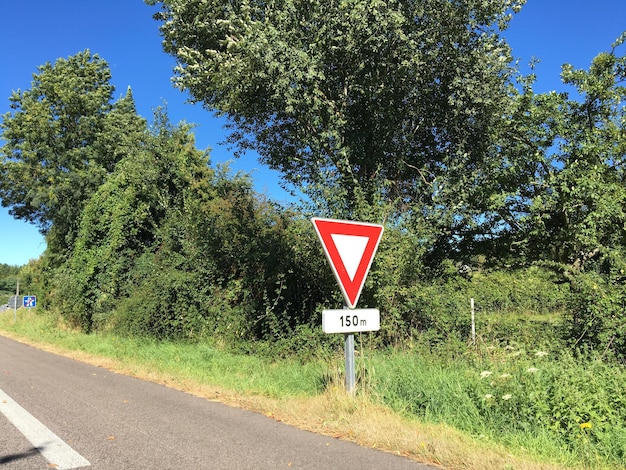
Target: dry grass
[335, 413]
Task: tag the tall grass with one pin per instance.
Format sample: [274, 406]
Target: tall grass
[198, 363]
[549, 403]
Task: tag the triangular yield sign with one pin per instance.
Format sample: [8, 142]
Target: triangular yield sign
[350, 248]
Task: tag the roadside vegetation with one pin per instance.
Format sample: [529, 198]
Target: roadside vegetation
[175, 269]
[8, 281]
[508, 402]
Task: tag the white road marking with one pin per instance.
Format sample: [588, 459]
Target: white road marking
[54, 450]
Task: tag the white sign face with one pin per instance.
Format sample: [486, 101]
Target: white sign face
[350, 320]
[351, 249]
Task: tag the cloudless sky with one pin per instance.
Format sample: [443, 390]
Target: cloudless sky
[33, 32]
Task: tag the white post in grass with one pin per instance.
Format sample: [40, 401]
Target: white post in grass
[473, 322]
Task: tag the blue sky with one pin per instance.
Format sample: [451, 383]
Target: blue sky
[33, 32]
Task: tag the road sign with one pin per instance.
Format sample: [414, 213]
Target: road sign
[350, 320]
[350, 248]
[30, 301]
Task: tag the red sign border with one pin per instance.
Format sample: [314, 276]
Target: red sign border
[325, 228]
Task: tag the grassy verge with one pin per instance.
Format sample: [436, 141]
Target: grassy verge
[414, 404]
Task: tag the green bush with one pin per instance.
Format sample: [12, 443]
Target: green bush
[554, 402]
[532, 290]
[8, 277]
[441, 305]
[596, 314]
[577, 402]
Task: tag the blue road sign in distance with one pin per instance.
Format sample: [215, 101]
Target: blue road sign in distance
[30, 301]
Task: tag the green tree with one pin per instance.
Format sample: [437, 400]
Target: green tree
[575, 217]
[390, 97]
[8, 278]
[489, 217]
[62, 137]
[121, 220]
[228, 264]
[577, 213]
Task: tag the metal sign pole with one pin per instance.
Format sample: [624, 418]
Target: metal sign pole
[350, 372]
[349, 353]
[17, 294]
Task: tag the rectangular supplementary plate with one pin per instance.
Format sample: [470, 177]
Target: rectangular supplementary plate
[350, 320]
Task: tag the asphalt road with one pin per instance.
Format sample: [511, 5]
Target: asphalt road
[111, 421]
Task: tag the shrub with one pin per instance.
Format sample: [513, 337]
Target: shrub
[596, 318]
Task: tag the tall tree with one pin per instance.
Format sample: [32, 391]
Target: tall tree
[391, 97]
[555, 190]
[578, 213]
[122, 218]
[563, 180]
[62, 137]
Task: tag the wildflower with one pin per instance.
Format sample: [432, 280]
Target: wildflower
[485, 374]
[541, 353]
[505, 376]
[506, 397]
[489, 396]
[586, 425]
[532, 370]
